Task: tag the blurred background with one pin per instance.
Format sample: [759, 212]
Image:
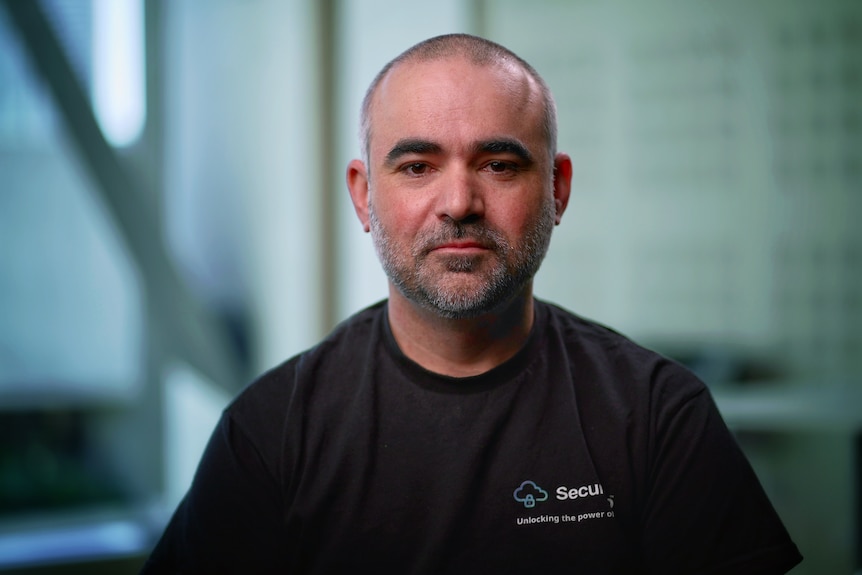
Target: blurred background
[173, 221]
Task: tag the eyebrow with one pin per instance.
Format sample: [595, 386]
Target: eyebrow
[505, 146]
[418, 146]
[411, 146]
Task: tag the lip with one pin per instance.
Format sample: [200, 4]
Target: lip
[460, 246]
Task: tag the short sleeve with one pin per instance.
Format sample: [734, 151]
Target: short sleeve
[706, 511]
[231, 519]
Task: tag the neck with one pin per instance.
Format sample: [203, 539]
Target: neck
[460, 347]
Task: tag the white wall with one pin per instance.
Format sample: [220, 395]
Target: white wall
[243, 194]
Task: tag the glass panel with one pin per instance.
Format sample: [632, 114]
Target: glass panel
[69, 297]
[71, 334]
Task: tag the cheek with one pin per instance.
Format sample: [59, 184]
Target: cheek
[401, 214]
[518, 220]
[396, 226]
[513, 220]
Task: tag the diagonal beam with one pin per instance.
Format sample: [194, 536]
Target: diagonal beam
[192, 333]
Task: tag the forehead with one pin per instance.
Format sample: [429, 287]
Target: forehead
[454, 102]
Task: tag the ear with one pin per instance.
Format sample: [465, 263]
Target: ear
[357, 184]
[562, 184]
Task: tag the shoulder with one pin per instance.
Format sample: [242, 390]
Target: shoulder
[612, 373]
[263, 406]
[596, 346]
[276, 385]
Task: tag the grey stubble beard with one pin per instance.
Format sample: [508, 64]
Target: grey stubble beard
[412, 274]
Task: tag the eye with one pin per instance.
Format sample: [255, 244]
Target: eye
[415, 169]
[500, 167]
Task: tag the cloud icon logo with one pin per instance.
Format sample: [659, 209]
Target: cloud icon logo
[529, 494]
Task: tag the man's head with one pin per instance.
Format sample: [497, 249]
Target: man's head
[460, 187]
[478, 51]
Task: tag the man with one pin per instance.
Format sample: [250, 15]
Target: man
[463, 426]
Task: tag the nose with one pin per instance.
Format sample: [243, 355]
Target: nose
[460, 196]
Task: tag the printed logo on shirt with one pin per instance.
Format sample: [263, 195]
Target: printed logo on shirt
[529, 493]
[593, 490]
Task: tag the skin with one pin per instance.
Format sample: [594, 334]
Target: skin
[456, 146]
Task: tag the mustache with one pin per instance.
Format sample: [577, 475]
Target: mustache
[450, 230]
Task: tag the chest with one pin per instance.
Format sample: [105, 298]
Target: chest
[507, 479]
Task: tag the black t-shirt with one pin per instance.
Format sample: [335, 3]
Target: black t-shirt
[583, 453]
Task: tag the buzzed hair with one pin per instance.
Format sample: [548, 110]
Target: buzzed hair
[479, 52]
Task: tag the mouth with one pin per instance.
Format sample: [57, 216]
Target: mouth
[462, 247]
